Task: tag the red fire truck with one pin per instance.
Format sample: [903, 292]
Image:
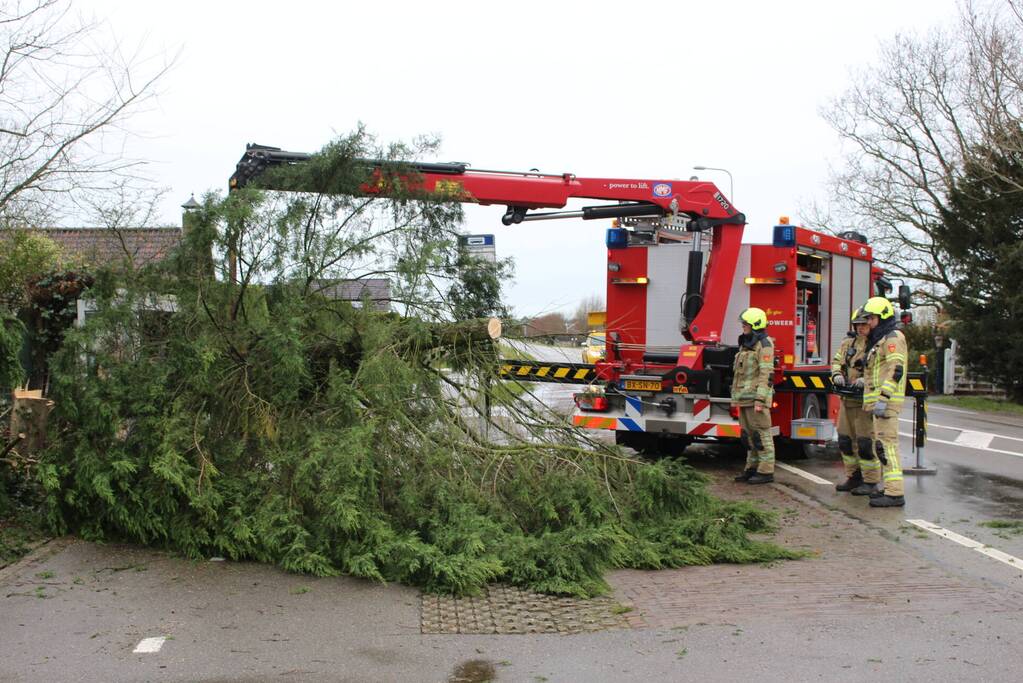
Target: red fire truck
[678, 276]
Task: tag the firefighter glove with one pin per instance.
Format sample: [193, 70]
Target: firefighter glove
[838, 380]
[879, 408]
[858, 383]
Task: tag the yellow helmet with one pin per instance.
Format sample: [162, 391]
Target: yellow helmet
[858, 317]
[879, 306]
[755, 318]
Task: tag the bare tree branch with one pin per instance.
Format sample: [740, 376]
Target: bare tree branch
[929, 102]
[67, 90]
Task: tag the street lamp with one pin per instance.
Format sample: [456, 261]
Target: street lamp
[731, 184]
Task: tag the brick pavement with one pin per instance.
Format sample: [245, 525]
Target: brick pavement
[854, 571]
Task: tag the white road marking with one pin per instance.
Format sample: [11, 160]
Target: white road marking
[955, 443]
[974, 439]
[149, 645]
[803, 473]
[969, 543]
[960, 429]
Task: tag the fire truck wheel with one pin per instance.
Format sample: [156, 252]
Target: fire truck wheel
[813, 406]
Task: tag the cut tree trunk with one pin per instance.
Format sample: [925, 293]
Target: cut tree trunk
[29, 414]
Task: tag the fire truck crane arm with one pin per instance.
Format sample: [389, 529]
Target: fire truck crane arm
[523, 192]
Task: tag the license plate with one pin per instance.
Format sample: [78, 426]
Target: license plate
[642, 385]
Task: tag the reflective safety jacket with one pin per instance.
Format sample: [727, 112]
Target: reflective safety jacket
[885, 378]
[849, 361]
[753, 378]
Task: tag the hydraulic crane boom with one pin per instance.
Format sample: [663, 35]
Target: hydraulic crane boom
[692, 205]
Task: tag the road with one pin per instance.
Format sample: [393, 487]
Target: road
[978, 458]
[921, 593]
[550, 354]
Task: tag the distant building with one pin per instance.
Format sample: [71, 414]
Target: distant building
[376, 290]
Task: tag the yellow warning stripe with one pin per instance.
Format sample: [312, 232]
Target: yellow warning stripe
[572, 373]
[817, 381]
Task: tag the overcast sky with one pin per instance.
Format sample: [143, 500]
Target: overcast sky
[630, 90]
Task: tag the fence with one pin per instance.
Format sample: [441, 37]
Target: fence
[957, 379]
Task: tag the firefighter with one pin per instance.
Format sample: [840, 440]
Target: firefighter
[752, 392]
[883, 394]
[854, 425]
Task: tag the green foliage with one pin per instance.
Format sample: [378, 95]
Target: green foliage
[920, 341]
[19, 532]
[11, 338]
[476, 290]
[49, 311]
[26, 254]
[982, 233]
[1013, 525]
[264, 421]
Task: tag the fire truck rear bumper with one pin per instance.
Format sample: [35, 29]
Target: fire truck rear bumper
[681, 427]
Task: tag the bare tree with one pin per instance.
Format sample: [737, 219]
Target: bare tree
[910, 120]
[996, 77]
[547, 324]
[66, 92]
[123, 209]
[590, 304]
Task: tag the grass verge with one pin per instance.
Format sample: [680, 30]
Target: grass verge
[990, 405]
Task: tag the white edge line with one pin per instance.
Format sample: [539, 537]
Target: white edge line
[964, 429]
[961, 445]
[149, 645]
[994, 554]
[803, 473]
[945, 533]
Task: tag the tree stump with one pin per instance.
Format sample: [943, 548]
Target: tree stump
[29, 414]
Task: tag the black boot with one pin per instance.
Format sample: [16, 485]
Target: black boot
[760, 479]
[746, 474]
[887, 502]
[852, 482]
[864, 489]
[877, 493]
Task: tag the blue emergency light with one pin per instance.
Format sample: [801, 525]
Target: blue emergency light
[617, 238]
[784, 235]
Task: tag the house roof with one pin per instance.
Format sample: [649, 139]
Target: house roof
[109, 247]
[378, 290]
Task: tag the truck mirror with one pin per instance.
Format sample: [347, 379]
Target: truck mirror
[905, 297]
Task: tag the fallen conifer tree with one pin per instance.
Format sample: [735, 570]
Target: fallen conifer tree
[264, 420]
